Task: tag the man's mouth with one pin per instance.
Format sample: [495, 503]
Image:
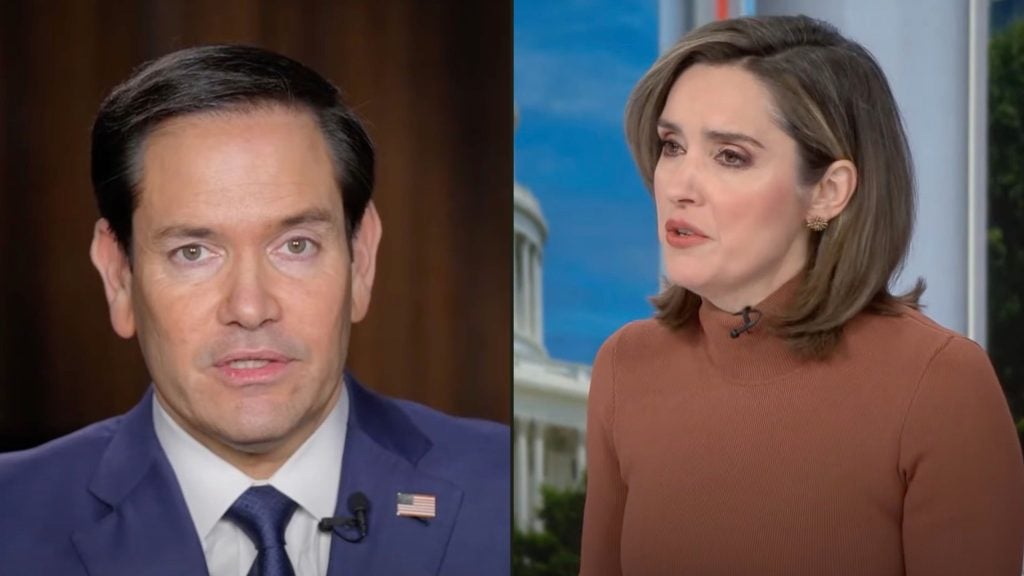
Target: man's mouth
[248, 364]
[252, 366]
[251, 359]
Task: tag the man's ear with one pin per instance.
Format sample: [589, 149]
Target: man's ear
[364, 261]
[833, 192]
[115, 271]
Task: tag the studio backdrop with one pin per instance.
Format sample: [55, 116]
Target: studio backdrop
[433, 83]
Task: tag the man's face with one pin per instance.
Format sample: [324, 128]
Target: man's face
[242, 288]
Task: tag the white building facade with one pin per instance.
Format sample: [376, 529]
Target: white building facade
[550, 396]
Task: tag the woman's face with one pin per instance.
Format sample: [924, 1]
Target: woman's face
[730, 208]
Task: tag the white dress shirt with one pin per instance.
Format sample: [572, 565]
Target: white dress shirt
[210, 485]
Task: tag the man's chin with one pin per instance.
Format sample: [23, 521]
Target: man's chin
[257, 439]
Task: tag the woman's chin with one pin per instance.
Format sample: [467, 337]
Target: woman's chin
[696, 283]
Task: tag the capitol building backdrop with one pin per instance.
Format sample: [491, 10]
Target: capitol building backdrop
[550, 405]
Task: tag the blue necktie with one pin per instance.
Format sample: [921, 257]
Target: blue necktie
[263, 513]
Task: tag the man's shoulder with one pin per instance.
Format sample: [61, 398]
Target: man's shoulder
[63, 460]
[463, 450]
[44, 491]
[474, 455]
[454, 435]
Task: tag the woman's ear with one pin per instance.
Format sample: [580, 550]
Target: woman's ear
[833, 192]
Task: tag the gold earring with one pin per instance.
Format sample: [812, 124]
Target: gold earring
[817, 223]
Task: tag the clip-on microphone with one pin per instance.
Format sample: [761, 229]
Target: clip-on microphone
[344, 526]
[747, 322]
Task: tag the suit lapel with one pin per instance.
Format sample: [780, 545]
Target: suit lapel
[148, 531]
[382, 450]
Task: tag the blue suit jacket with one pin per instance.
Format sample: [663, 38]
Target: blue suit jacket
[104, 501]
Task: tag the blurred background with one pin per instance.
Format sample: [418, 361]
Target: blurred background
[586, 252]
[432, 81]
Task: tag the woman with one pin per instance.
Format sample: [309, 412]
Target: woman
[784, 413]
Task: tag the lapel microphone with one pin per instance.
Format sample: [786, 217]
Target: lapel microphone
[747, 322]
[350, 528]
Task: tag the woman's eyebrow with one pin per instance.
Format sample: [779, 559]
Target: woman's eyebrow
[730, 136]
[713, 135]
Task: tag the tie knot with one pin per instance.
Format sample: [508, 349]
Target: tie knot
[262, 513]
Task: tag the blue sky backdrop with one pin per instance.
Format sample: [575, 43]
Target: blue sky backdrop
[575, 64]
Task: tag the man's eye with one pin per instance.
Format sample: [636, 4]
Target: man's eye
[298, 245]
[192, 252]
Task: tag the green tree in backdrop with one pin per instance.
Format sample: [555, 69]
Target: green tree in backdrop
[556, 550]
[1006, 213]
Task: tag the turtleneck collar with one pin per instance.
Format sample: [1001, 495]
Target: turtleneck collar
[757, 354]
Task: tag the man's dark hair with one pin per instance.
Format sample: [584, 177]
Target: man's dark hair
[218, 78]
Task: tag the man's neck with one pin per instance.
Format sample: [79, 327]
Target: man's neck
[258, 461]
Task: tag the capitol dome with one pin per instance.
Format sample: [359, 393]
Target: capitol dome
[550, 395]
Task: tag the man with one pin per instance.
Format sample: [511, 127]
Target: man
[237, 241]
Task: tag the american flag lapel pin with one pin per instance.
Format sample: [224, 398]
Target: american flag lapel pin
[417, 505]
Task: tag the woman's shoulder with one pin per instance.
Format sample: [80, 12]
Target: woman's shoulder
[646, 334]
[912, 335]
[904, 320]
[642, 340]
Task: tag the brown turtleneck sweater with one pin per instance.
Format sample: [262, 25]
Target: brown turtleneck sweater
[715, 455]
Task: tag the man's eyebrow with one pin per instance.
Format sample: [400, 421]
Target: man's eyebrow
[311, 216]
[177, 231]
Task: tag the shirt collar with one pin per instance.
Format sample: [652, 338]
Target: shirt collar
[210, 485]
[312, 476]
[755, 355]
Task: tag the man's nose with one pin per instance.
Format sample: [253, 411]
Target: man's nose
[249, 300]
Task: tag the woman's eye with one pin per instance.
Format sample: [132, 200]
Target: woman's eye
[670, 148]
[732, 158]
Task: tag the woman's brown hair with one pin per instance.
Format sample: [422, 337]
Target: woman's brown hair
[833, 99]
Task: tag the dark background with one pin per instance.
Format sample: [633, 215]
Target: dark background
[431, 79]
